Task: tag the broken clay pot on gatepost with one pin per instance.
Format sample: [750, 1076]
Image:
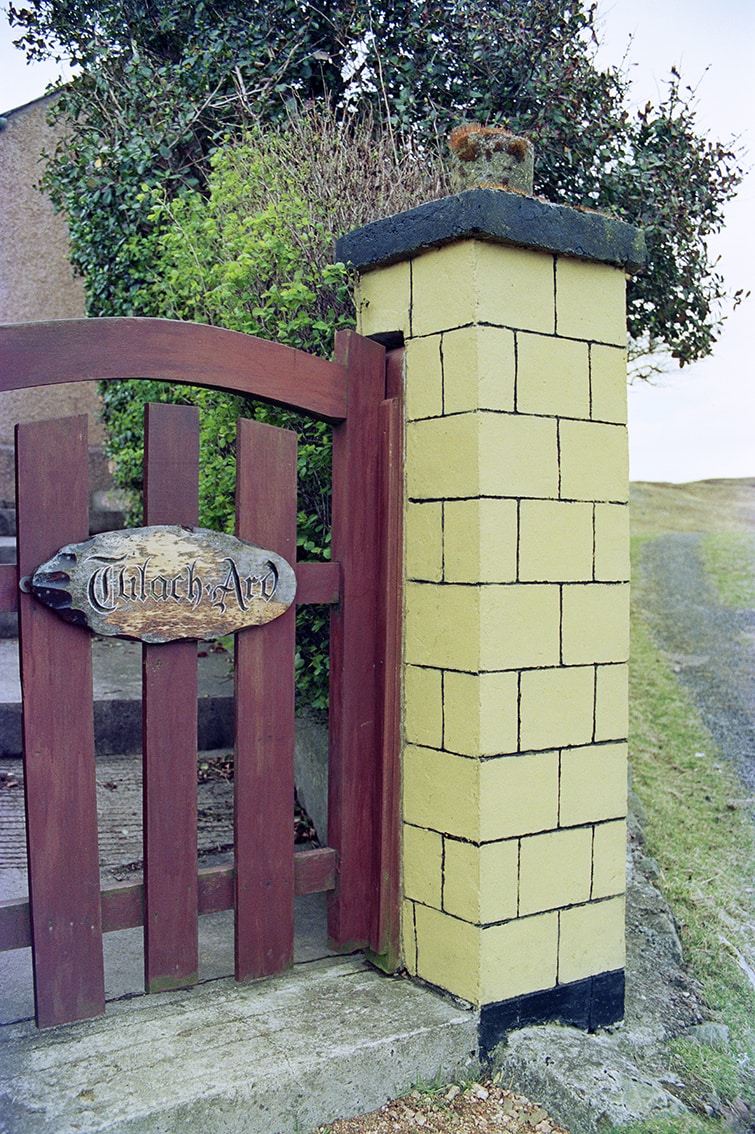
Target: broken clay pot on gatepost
[491, 157]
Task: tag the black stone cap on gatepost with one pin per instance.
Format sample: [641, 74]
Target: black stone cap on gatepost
[500, 217]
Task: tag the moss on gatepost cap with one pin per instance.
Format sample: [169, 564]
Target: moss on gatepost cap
[491, 157]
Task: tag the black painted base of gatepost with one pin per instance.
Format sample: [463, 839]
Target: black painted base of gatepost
[595, 1002]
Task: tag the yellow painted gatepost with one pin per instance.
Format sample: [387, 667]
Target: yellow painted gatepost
[516, 596]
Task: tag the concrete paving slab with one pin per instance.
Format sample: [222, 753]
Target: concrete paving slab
[119, 814]
[332, 1038]
[117, 670]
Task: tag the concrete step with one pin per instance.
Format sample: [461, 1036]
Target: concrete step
[331, 1038]
[8, 620]
[105, 515]
[7, 520]
[117, 676]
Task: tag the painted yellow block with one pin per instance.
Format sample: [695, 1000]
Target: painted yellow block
[592, 940]
[595, 623]
[423, 706]
[477, 282]
[493, 627]
[384, 300]
[611, 542]
[424, 378]
[608, 383]
[518, 795]
[462, 880]
[408, 937]
[515, 287]
[441, 626]
[443, 457]
[609, 859]
[519, 957]
[441, 792]
[593, 784]
[594, 461]
[499, 870]
[612, 702]
[480, 713]
[480, 541]
[482, 454]
[422, 858]
[555, 870]
[590, 301]
[519, 626]
[444, 288]
[518, 456]
[557, 707]
[555, 541]
[478, 369]
[448, 953]
[423, 541]
[552, 376]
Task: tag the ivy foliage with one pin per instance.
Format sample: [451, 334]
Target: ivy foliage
[253, 253]
[162, 86]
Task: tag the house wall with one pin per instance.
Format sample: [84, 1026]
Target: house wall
[37, 281]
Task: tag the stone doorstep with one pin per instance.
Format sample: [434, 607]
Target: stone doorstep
[332, 1038]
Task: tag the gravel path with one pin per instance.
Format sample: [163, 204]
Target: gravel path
[712, 646]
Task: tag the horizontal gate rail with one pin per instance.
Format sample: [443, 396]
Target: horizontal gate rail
[123, 903]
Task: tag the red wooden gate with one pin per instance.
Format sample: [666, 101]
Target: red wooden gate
[67, 913]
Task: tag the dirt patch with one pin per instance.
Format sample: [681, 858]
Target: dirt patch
[481, 1106]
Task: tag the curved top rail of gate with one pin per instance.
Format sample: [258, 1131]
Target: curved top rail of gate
[79, 350]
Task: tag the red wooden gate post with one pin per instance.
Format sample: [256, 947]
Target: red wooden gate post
[169, 688]
[355, 734]
[58, 733]
[385, 943]
[264, 754]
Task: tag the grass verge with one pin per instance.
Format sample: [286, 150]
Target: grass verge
[700, 831]
[729, 561]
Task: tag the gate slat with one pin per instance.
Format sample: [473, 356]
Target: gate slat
[8, 587]
[264, 758]
[169, 690]
[354, 745]
[58, 734]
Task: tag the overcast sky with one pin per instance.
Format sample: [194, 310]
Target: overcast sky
[699, 422]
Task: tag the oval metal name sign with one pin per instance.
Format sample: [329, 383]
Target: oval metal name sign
[163, 583]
